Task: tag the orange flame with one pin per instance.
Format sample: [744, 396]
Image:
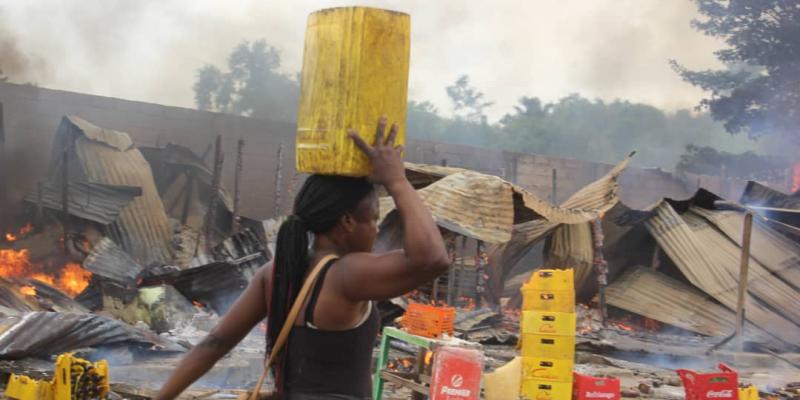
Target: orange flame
[28, 290]
[428, 357]
[10, 237]
[72, 279]
[28, 228]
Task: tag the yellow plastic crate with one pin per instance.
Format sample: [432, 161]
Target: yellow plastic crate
[548, 300]
[748, 393]
[23, 388]
[548, 323]
[560, 347]
[552, 279]
[547, 369]
[543, 390]
[355, 69]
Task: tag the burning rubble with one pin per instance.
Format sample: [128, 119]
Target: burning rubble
[97, 278]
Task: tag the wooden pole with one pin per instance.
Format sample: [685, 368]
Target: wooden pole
[278, 183]
[187, 196]
[215, 187]
[555, 187]
[451, 272]
[743, 273]
[237, 186]
[601, 267]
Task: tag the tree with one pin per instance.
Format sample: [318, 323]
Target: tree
[747, 165]
[759, 90]
[252, 85]
[468, 102]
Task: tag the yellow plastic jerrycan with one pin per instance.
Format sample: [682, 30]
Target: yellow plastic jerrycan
[355, 69]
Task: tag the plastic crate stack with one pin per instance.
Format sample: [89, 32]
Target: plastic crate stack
[548, 335]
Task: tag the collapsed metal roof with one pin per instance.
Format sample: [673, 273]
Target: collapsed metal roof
[657, 296]
[41, 334]
[109, 157]
[574, 241]
[110, 261]
[43, 297]
[90, 201]
[488, 208]
[709, 259]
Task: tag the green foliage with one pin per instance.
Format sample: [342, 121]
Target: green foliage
[747, 165]
[252, 85]
[467, 101]
[577, 127]
[759, 91]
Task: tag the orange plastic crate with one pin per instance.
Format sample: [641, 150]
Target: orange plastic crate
[429, 321]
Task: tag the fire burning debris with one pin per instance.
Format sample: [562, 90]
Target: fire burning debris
[28, 290]
[71, 279]
[24, 231]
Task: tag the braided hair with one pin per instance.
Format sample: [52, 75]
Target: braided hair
[318, 207]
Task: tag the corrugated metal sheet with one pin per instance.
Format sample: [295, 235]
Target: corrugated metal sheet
[42, 334]
[710, 261]
[90, 201]
[756, 194]
[47, 298]
[486, 207]
[781, 216]
[769, 248]
[659, 297]
[421, 175]
[108, 157]
[109, 261]
[469, 203]
[595, 199]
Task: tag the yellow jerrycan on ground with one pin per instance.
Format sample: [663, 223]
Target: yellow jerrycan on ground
[355, 69]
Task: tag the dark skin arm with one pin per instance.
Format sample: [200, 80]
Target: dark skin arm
[368, 276]
[248, 310]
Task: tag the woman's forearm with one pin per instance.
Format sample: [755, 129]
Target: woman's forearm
[423, 242]
[193, 365]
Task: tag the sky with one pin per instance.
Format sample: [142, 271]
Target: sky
[150, 50]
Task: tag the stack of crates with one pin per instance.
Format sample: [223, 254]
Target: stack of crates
[548, 335]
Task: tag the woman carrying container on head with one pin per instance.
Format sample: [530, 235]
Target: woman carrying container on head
[330, 344]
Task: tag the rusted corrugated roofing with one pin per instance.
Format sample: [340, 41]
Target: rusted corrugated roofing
[595, 199]
[90, 201]
[659, 297]
[710, 261]
[487, 207]
[106, 156]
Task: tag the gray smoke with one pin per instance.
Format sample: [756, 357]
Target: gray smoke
[150, 50]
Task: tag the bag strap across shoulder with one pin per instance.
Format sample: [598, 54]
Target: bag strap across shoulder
[311, 279]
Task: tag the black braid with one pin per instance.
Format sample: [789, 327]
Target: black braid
[318, 207]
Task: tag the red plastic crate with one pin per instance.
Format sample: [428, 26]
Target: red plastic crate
[429, 321]
[587, 387]
[712, 386]
[456, 374]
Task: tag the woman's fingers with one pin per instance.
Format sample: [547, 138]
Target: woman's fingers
[392, 135]
[379, 132]
[367, 149]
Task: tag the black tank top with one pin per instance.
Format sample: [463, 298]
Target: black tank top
[331, 362]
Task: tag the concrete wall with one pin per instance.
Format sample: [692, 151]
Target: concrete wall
[32, 115]
[640, 186]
